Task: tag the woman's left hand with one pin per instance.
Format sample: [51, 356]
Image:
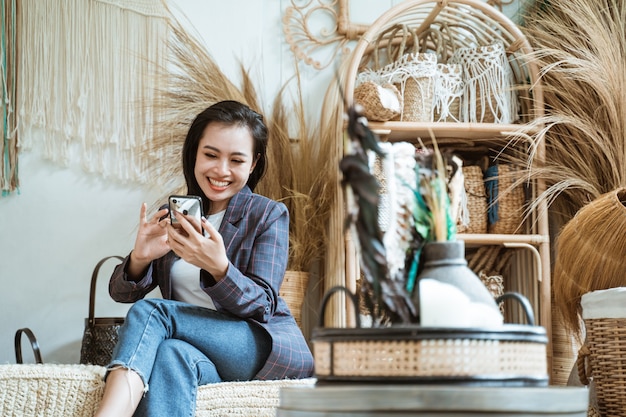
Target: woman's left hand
[206, 252]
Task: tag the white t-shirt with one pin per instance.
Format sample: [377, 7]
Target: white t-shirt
[185, 277]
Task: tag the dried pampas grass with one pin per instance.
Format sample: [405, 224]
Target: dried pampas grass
[302, 175]
[188, 82]
[300, 170]
[580, 47]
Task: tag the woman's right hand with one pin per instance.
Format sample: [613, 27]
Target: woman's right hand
[150, 243]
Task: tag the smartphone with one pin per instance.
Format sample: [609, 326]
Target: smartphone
[189, 205]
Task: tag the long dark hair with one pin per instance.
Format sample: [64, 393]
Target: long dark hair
[230, 113]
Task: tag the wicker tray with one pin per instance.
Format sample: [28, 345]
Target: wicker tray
[509, 355]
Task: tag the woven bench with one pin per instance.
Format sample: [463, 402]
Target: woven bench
[37, 390]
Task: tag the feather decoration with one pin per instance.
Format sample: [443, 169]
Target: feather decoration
[400, 240]
[434, 215]
[363, 198]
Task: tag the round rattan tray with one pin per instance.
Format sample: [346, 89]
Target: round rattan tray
[507, 355]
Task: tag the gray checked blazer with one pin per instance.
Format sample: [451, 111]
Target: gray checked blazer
[255, 230]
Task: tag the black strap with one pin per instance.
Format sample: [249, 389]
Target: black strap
[94, 278]
[33, 343]
[351, 296]
[525, 304]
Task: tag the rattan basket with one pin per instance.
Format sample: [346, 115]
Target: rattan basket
[293, 291]
[443, 28]
[476, 201]
[510, 355]
[505, 199]
[602, 359]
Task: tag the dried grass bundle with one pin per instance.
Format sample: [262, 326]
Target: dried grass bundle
[590, 254]
[189, 81]
[302, 176]
[299, 171]
[580, 47]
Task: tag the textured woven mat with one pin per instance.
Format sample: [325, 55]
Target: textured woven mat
[75, 390]
[250, 398]
[50, 390]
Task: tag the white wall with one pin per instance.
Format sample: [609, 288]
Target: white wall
[63, 221]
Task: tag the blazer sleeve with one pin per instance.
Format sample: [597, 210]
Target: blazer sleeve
[258, 259]
[123, 290]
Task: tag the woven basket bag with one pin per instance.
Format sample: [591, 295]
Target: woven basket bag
[601, 360]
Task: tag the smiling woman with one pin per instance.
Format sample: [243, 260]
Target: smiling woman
[224, 162]
[218, 286]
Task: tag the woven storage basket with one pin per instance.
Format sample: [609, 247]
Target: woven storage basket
[414, 75]
[293, 291]
[505, 202]
[442, 28]
[606, 363]
[476, 200]
[510, 355]
[381, 101]
[602, 358]
[76, 391]
[488, 95]
[50, 390]
[412, 72]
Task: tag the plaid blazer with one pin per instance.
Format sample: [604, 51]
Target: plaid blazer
[255, 230]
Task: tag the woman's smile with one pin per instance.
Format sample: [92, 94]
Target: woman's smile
[224, 161]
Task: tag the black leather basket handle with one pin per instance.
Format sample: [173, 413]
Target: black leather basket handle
[92, 289]
[353, 298]
[528, 309]
[33, 343]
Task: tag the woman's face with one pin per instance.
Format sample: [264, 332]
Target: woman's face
[224, 162]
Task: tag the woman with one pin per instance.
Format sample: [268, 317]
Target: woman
[220, 318]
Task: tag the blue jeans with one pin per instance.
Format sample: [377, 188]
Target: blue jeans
[174, 347]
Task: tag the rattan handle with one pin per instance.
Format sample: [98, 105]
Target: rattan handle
[528, 309]
[581, 364]
[353, 298]
[33, 344]
[92, 289]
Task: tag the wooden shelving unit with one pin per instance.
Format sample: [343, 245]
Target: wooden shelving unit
[472, 136]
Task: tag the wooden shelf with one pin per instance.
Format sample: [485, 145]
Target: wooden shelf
[471, 141]
[444, 131]
[496, 239]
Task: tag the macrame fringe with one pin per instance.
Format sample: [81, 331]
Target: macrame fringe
[488, 96]
[8, 67]
[88, 79]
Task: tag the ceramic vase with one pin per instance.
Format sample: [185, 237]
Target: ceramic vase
[445, 262]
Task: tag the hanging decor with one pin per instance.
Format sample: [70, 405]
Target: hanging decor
[308, 40]
[8, 66]
[86, 86]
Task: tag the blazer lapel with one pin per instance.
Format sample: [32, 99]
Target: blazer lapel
[234, 213]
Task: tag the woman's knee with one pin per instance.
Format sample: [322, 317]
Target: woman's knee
[178, 357]
[172, 350]
[143, 305]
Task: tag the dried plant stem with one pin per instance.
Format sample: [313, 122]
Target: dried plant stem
[300, 169]
[580, 46]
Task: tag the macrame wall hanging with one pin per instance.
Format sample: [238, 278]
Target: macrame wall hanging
[318, 44]
[8, 66]
[87, 84]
